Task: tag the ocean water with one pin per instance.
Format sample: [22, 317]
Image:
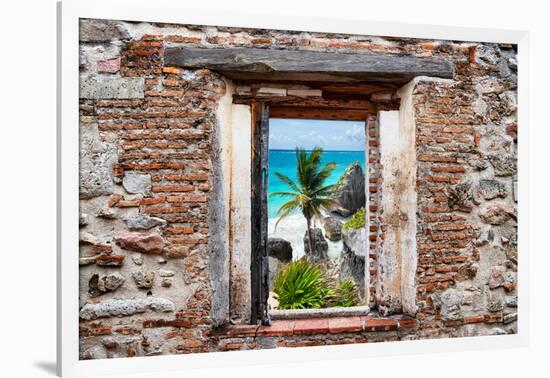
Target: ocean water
[294, 226]
[284, 161]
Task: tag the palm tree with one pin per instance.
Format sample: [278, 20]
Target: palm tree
[309, 195]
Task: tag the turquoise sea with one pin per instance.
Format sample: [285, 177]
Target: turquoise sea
[284, 161]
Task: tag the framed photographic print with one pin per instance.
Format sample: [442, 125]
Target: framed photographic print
[285, 187]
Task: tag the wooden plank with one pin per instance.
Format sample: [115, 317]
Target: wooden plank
[319, 103]
[255, 214]
[264, 258]
[338, 89]
[259, 268]
[319, 113]
[308, 66]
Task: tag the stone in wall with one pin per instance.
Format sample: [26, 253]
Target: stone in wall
[142, 222]
[100, 87]
[136, 183]
[125, 307]
[144, 279]
[503, 165]
[460, 196]
[451, 302]
[490, 189]
[145, 243]
[96, 162]
[99, 285]
[101, 31]
[497, 214]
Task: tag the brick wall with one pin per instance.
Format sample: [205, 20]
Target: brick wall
[147, 159]
[373, 213]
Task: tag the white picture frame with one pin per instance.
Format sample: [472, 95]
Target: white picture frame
[69, 12]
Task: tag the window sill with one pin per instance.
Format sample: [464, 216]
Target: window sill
[331, 325]
[331, 312]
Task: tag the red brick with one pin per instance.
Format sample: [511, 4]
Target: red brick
[278, 328]
[407, 323]
[109, 260]
[474, 319]
[179, 230]
[379, 324]
[172, 70]
[345, 324]
[310, 326]
[449, 168]
[173, 188]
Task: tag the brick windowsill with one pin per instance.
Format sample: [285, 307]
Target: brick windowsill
[349, 324]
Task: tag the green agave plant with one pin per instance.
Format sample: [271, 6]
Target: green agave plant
[344, 295]
[301, 285]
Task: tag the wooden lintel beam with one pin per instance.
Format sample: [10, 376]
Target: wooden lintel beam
[319, 103]
[319, 113]
[306, 66]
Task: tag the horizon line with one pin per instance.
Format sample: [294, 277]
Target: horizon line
[293, 149]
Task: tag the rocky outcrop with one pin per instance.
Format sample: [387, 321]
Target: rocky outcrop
[352, 266]
[333, 228]
[354, 252]
[279, 249]
[280, 253]
[320, 246]
[350, 193]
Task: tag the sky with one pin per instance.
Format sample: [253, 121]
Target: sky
[287, 134]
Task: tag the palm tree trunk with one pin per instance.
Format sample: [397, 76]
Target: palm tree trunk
[309, 236]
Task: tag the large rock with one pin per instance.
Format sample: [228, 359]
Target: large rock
[350, 195]
[353, 256]
[279, 249]
[274, 266]
[320, 245]
[125, 307]
[142, 222]
[133, 241]
[356, 240]
[333, 228]
[352, 266]
[137, 183]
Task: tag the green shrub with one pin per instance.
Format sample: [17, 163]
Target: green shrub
[345, 294]
[300, 285]
[357, 220]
